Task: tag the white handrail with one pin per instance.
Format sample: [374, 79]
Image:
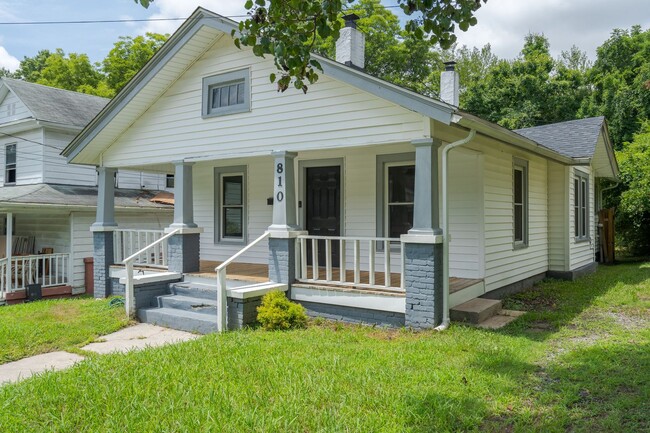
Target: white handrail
[128, 263]
[222, 300]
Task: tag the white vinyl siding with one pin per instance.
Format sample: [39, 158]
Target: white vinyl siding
[581, 252]
[465, 214]
[558, 217]
[331, 115]
[129, 179]
[12, 109]
[29, 157]
[56, 168]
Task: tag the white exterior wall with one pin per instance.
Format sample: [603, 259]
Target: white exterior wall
[29, 157]
[332, 114]
[12, 109]
[581, 253]
[558, 217]
[466, 214]
[503, 263]
[130, 179]
[56, 168]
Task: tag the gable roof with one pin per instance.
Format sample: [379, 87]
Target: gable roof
[574, 138]
[58, 106]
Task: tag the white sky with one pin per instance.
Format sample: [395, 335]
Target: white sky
[502, 23]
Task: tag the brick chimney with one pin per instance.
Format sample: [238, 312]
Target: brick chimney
[351, 45]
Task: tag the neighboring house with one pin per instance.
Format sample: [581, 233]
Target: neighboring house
[47, 205]
[350, 177]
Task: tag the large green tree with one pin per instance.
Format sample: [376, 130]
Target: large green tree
[128, 56]
[72, 72]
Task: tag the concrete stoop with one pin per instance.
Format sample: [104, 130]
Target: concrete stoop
[484, 313]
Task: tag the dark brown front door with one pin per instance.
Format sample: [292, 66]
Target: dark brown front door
[323, 209]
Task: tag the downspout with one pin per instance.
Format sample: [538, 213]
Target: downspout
[600, 193]
[444, 222]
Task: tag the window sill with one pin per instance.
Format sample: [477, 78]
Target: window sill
[230, 242]
[519, 246]
[226, 112]
[581, 240]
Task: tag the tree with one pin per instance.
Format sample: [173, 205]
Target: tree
[633, 203]
[128, 56]
[290, 29]
[72, 72]
[30, 67]
[621, 81]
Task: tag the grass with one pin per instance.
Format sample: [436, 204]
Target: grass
[577, 362]
[50, 325]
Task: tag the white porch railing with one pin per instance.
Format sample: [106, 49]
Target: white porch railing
[364, 249]
[127, 241]
[129, 301]
[222, 300]
[45, 269]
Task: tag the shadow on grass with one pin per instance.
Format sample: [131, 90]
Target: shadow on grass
[553, 304]
[435, 412]
[604, 388]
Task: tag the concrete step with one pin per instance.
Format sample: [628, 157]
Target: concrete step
[475, 311]
[179, 319]
[187, 303]
[194, 290]
[500, 320]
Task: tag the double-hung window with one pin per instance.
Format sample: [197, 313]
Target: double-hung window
[520, 202]
[399, 195]
[230, 203]
[169, 181]
[227, 93]
[581, 205]
[10, 164]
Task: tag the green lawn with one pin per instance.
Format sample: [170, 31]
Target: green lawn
[578, 362]
[46, 326]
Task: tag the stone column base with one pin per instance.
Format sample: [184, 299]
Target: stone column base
[103, 258]
[423, 270]
[183, 252]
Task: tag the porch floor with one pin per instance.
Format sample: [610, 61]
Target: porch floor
[259, 273]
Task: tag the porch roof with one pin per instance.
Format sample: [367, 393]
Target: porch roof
[74, 196]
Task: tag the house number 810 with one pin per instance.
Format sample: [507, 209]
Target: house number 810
[279, 169]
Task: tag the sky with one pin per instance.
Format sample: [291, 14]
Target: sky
[502, 23]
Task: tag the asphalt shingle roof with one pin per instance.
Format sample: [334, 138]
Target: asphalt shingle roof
[57, 105]
[71, 195]
[575, 138]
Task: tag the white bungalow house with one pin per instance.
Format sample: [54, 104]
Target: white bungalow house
[367, 201]
[47, 205]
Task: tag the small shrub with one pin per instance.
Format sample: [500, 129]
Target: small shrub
[279, 313]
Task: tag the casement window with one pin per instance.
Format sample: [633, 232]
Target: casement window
[230, 204]
[581, 205]
[10, 164]
[520, 202]
[395, 195]
[227, 93]
[169, 181]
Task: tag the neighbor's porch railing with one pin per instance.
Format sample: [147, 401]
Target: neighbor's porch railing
[45, 269]
[363, 272]
[127, 241]
[129, 296]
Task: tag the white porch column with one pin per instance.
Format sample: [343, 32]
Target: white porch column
[105, 198]
[183, 200]
[284, 192]
[8, 246]
[426, 219]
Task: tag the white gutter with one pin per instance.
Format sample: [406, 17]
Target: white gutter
[446, 237]
[600, 194]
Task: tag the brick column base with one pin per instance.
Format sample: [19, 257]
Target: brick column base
[423, 284]
[102, 260]
[183, 253]
[282, 260]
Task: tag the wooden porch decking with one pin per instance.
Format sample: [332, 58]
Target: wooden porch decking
[259, 273]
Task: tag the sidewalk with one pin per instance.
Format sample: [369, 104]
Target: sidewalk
[138, 337]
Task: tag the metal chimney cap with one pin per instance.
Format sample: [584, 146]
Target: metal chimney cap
[450, 66]
[351, 20]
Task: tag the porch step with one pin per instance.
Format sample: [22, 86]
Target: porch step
[475, 311]
[179, 319]
[187, 303]
[194, 290]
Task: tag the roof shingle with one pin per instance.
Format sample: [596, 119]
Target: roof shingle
[575, 138]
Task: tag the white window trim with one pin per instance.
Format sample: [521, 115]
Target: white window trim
[219, 174]
[522, 165]
[581, 233]
[222, 80]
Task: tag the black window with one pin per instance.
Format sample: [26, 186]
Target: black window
[169, 181]
[232, 208]
[520, 203]
[10, 164]
[400, 190]
[581, 205]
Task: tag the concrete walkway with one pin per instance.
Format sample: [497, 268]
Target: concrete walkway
[138, 337]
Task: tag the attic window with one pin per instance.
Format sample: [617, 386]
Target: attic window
[227, 93]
